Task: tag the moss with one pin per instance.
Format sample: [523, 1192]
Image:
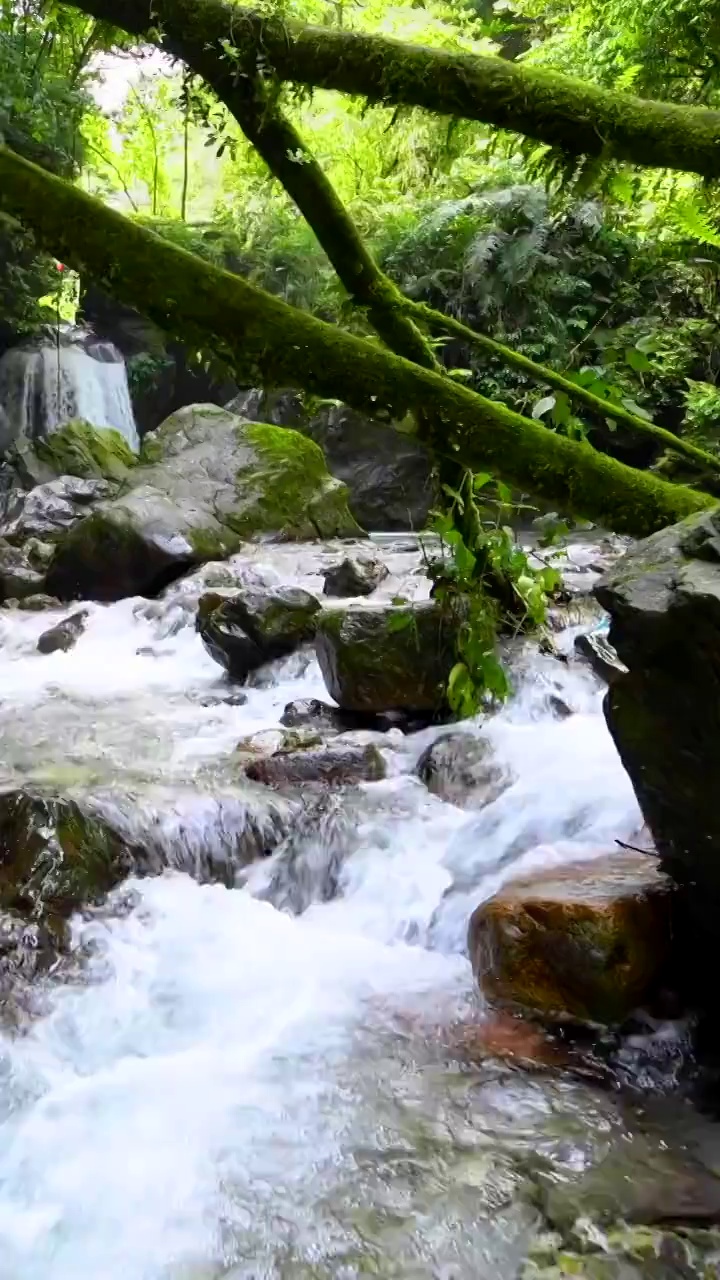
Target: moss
[286, 488]
[208, 544]
[79, 449]
[580, 118]
[279, 346]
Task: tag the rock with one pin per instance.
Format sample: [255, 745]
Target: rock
[207, 479]
[331, 766]
[79, 449]
[663, 598]
[386, 657]
[244, 632]
[56, 856]
[40, 603]
[49, 510]
[603, 658]
[389, 475]
[64, 635]
[459, 767]
[18, 579]
[358, 576]
[584, 942]
[314, 714]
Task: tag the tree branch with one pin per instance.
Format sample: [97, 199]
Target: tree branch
[276, 345]
[580, 118]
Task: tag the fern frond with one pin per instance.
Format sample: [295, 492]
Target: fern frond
[691, 220]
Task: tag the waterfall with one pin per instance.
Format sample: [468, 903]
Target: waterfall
[53, 379]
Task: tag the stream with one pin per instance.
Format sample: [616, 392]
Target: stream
[222, 1088]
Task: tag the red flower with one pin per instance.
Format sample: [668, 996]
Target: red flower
[60, 266]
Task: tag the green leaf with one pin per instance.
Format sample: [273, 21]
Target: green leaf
[543, 406]
[637, 360]
[399, 621]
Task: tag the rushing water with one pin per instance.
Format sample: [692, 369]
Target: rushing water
[48, 383]
[229, 1090]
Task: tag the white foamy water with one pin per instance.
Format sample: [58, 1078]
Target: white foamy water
[227, 1090]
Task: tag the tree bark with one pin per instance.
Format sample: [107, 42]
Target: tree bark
[580, 118]
[273, 344]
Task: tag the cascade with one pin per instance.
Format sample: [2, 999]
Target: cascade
[60, 376]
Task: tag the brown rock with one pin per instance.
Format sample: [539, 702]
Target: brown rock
[583, 942]
[330, 765]
[64, 635]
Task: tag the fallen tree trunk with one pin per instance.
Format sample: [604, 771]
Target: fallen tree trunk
[277, 345]
[580, 118]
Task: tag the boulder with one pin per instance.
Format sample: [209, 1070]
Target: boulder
[664, 715]
[247, 630]
[50, 509]
[62, 637]
[207, 479]
[55, 857]
[355, 576]
[18, 579]
[79, 449]
[389, 474]
[40, 603]
[313, 714]
[387, 657]
[584, 942]
[596, 648]
[332, 766]
[459, 767]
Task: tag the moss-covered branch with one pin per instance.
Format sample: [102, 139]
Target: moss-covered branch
[440, 323]
[580, 118]
[277, 345]
[277, 140]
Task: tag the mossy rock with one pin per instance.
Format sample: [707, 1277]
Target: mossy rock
[56, 857]
[583, 942]
[387, 657]
[254, 627]
[79, 449]
[258, 480]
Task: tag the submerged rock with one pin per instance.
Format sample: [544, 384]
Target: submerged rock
[584, 942]
[207, 479]
[459, 767]
[332, 766]
[386, 657]
[63, 636]
[247, 630]
[355, 576]
[664, 715]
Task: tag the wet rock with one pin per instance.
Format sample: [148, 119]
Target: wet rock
[18, 579]
[355, 576]
[459, 767]
[51, 509]
[64, 635]
[40, 603]
[207, 479]
[229, 698]
[603, 658]
[584, 942]
[252, 628]
[388, 474]
[56, 856]
[641, 1182]
[331, 766]
[664, 715]
[314, 714]
[627, 1253]
[386, 657]
[80, 449]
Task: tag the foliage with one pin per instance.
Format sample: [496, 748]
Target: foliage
[486, 580]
